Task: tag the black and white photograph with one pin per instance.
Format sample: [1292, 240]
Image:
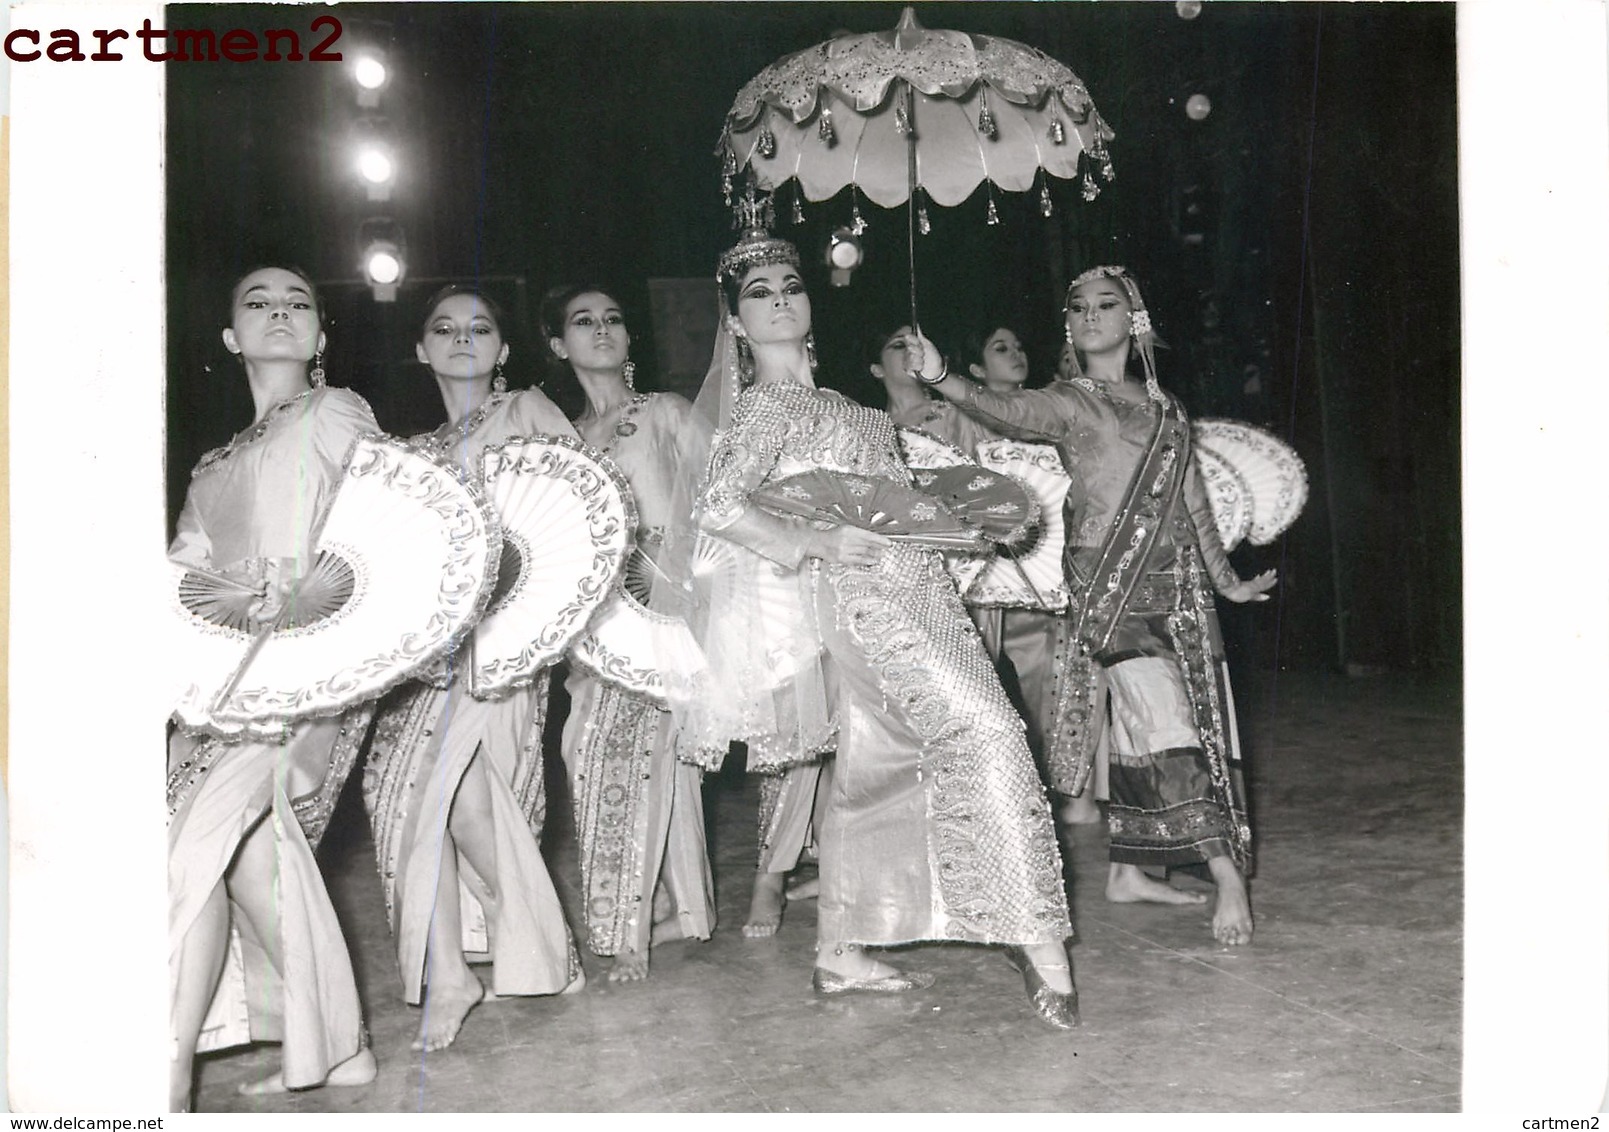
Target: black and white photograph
[721, 557]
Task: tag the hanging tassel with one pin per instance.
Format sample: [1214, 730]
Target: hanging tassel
[993, 215]
[726, 188]
[923, 224]
[857, 222]
[825, 130]
[798, 205]
[1090, 190]
[902, 120]
[1058, 132]
[986, 123]
[768, 142]
[1045, 208]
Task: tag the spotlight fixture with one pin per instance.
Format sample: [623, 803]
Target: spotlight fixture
[1197, 107]
[384, 262]
[374, 156]
[371, 74]
[1188, 9]
[844, 254]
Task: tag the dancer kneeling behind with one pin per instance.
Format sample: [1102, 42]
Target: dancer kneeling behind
[639, 811]
[454, 784]
[936, 826]
[1144, 666]
[255, 951]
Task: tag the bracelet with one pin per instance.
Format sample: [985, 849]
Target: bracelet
[943, 373]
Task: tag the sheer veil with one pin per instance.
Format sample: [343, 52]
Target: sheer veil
[757, 677]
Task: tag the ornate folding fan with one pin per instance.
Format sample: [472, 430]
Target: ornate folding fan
[402, 567]
[871, 503]
[1273, 474]
[990, 501]
[924, 450]
[1030, 577]
[629, 644]
[1227, 493]
[568, 518]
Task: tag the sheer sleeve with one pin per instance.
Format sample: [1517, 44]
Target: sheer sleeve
[1213, 555]
[1028, 414]
[532, 412]
[740, 460]
[191, 544]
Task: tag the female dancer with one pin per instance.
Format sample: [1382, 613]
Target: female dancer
[639, 812]
[454, 784]
[246, 903]
[1142, 558]
[936, 826]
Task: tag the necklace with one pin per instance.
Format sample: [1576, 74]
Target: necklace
[1103, 390]
[626, 425]
[457, 433]
[249, 435]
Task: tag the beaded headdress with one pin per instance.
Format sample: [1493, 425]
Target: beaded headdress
[758, 247]
[1140, 329]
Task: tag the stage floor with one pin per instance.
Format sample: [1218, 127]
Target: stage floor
[1347, 1000]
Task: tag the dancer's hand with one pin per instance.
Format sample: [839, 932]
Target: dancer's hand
[849, 546]
[922, 357]
[1252, 589]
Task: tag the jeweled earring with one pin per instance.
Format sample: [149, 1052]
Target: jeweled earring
[745, 362]
[1139, 323]
[628, 373]
[810, 350]
[499, 382]
[1067, 331]
[316, 374]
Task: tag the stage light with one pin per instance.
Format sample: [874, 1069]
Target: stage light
[1188, 9]
[844, 254]
[1197, 107]
[384, 261]
[375, 165]
[371, 74]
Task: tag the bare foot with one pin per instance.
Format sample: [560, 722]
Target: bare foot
[1126, 884]
[805, 889]
[576, 985]
[359, 1069]
[629, 967]
[1231, 919]
[444, 1013]
[1081, 810]
[765, 907]
[664, 907]
[667, 931]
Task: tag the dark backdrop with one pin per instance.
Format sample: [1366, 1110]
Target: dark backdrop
[1298, 246]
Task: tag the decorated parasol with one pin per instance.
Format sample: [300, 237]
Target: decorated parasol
[1248, 469]
[1031, 577]
[402, 566]
[568, 521]
[914, 114]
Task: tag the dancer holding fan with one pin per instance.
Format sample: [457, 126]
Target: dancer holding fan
[639, 811]
[936, 827]
[246, 903]
[1139, 648]
[454, 783]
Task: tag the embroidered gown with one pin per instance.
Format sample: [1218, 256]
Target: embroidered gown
[936, 825]
[1157, 694]
[639, 811]
[1021, 641]
[424, 740]
[250, 512]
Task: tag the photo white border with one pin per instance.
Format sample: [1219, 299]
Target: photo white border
[87, 1006]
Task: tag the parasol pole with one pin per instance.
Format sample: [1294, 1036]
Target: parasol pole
[910, 199]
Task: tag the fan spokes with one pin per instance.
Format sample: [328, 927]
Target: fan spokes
[510, 571]
[328, 586]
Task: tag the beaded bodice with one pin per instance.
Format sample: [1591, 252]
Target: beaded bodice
[780, 428]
